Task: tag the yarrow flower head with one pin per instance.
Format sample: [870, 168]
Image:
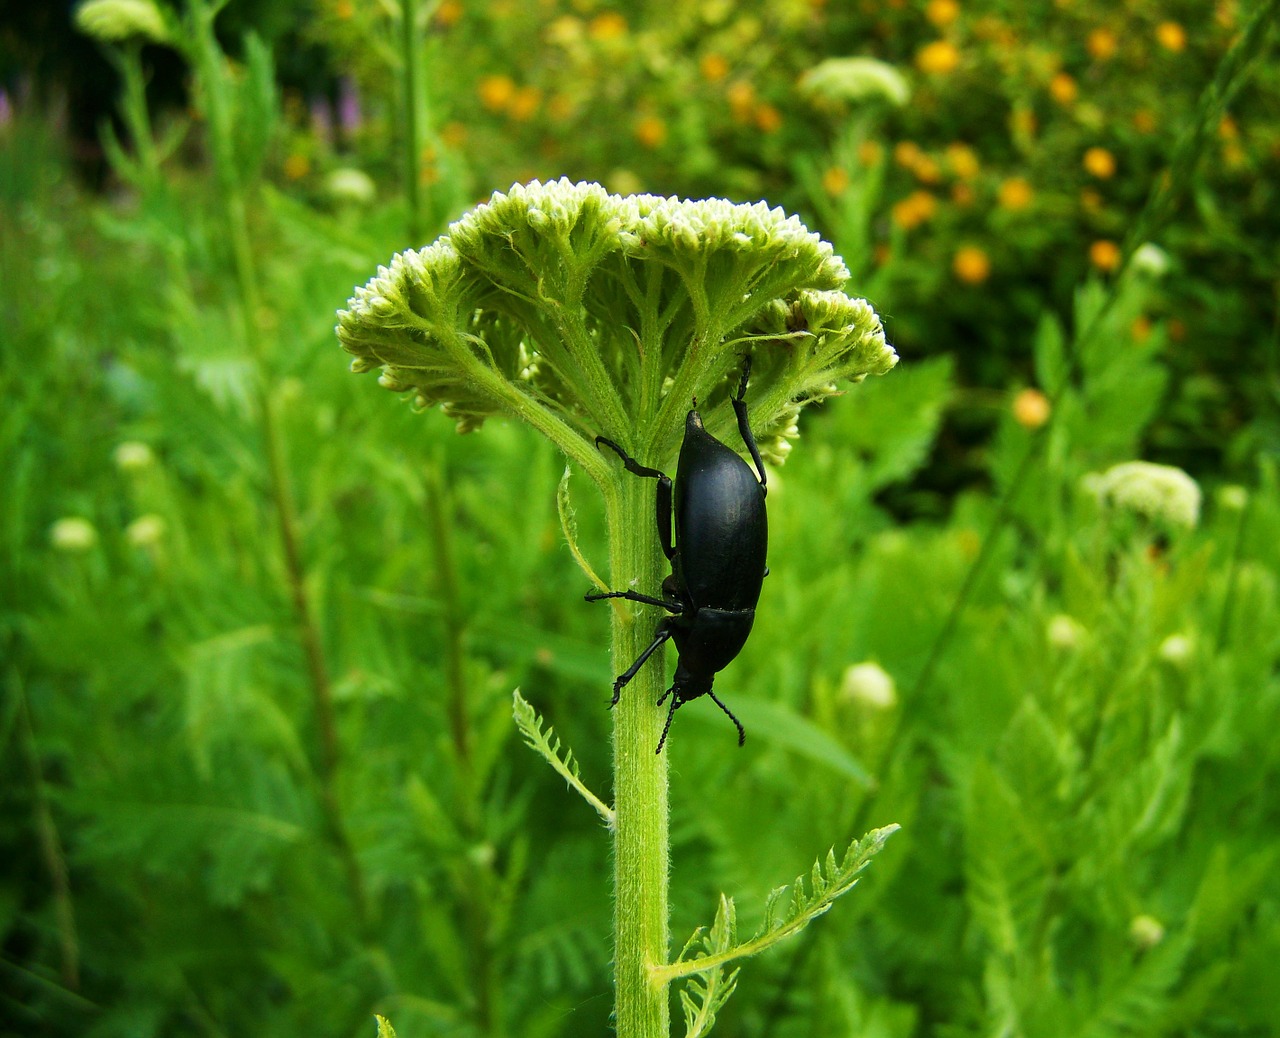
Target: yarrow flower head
[855, 80]
[587, 313]
[1161, 493]
[114, 21]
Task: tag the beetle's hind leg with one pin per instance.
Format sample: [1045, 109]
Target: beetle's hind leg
[742, 732]
[744, 426]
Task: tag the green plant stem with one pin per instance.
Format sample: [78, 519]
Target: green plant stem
[475, 899]
[641, 840]
[49, 842]
[412, 80]
[210, 67]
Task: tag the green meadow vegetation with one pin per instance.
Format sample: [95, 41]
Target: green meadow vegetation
[285, 657]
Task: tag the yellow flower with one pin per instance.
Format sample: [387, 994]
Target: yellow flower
[1105, 255]
[496, 92]
[907, 153]
[767, 118]
[914, 210]
[344, 9]
[560, 107]
[1228, 128]
[1100, 163]
[1144, 120]
[927, 170]
[971, 265]
[1101, 44]
[297, 166]
[870, 152]
[1022, 121]
[453, 134]
[651, 132]
[1014, 193]
[1063, 88]
[962, 194]
[609, 25]
[938, 57]
[449, 13]
[1140, 329]
[713, 67]
[835, 181]
[1171, 36]
[1031, 409]
[525, 103]
[963, 160]
[942, 12]
[742, 99]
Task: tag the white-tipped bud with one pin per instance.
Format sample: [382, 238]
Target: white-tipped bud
[350, 186]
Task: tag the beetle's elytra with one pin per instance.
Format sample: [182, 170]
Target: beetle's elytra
[717, 557]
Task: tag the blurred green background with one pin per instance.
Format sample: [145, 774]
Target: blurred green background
[260, 623]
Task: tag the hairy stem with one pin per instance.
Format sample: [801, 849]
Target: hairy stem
[641, 839]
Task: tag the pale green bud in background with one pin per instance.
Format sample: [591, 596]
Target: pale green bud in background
[132, 456]
[1176, 650]
[1146, 931]
[1151, 260]
[869, 686]
[1065, 632]
[73, 535]
[350, 186]
[145, 531]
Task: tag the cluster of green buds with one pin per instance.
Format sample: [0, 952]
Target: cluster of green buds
[586, 313]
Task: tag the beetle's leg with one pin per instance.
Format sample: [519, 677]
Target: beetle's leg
[664, 492]
[742, 734]
[744, 427]
[660, 637]
[675, 702]
[635, 596]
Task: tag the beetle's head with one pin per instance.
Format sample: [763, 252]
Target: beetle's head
[689, 684]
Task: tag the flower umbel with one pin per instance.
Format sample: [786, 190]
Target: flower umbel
[587, 314]
[1162, 493]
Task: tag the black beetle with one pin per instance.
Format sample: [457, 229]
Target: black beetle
[717, 558]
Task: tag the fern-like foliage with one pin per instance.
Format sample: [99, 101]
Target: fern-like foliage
[788, 910]
[547, 744]
[385, 1030]
[705, 993]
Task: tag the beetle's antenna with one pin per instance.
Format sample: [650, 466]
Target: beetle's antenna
[675, 702]
[742, 732]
